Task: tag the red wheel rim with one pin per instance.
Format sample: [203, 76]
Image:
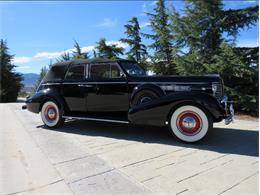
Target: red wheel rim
[189, 123]
[50, 113]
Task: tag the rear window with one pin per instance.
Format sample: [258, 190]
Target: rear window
[75, 73]
[56, 73]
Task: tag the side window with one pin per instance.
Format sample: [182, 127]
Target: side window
[115, 72]
[75, 72]
[100, 71]
[105, 71]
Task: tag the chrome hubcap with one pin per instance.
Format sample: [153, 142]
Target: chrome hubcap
[188, 122]
[51, 113]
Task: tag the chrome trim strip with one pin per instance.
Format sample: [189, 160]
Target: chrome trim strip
[93, 83]
[51, 84]
[95, 119]
[182, 83]
[120, 82]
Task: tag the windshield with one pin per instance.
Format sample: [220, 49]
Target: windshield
[133, 69]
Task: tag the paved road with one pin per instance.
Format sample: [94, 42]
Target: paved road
[101, 158]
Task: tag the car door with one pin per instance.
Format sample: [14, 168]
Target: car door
[109, 92]
[74, 88]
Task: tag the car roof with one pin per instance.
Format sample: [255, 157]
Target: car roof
[92, 60]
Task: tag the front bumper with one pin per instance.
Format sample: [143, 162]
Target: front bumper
[31, 105]
[229, 110]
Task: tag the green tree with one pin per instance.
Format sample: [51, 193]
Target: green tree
[10, 81]
[162, 40]
[239, 68]
[137, 50]
[201, 30]
[108, 51]
[43, 72]
[78, 54]
[64, 57]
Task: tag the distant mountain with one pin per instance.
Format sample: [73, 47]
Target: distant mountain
[30, 79]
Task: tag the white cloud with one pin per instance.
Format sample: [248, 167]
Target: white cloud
[145, 24]
[87, 48]
[107, 22]
[22, 67]
[117, 43]
[153, 3]
[51, 55]
[56, 54]
[21, 60]
[48, 54]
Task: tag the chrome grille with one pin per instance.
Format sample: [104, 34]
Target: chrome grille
[219, 91]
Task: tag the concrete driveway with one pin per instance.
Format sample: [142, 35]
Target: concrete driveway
[103, 158]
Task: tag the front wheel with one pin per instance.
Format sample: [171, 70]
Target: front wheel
[190, 123]
[51, 115]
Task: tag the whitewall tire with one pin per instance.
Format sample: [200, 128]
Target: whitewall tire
[51, 115]
[190, 123]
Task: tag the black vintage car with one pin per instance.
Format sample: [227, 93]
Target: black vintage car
[120, 91]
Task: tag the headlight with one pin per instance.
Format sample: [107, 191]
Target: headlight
[217, 90]
[214, 88]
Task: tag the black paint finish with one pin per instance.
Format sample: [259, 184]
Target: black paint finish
[112, 97]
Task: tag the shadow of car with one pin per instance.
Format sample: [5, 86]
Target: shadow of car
[222, 140]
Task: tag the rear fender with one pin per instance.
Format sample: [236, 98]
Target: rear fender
[152, 87]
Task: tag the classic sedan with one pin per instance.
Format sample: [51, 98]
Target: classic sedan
[121, 91]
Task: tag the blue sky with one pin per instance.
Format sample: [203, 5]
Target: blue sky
[38, 32]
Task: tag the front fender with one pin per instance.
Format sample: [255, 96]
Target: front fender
[158, 111]
[36, 101]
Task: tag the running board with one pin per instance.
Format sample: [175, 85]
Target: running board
[95, 119]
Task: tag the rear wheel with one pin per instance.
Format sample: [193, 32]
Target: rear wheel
[190, 123]
[51, 115]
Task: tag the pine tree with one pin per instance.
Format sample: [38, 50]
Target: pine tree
[108, 51]
[137, 50]
[162, 40]
[77, 53]
[64, 57]
[201, 31]
[43, 72]
[10, 81]
[239, 68]
[94, 53]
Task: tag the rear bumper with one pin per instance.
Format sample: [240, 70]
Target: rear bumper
[229, 110]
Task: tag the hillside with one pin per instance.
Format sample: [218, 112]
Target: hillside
[29, 81]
